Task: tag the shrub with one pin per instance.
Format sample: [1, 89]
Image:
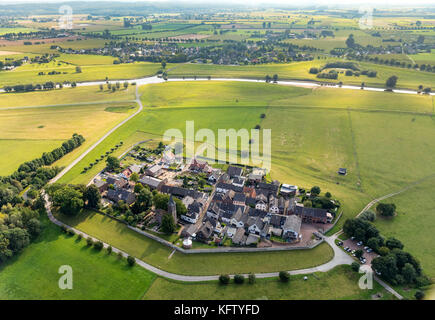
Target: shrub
[239, 279]
[79, 236]
[71, 232]
[284, 276]
[131, 261]
[355, 266]
[109, 249]
[314, 70]
[119, 255]
[224, 279]
[89, 242]
[419, 295]
[251, 278]
[98, 245]
[63, 229]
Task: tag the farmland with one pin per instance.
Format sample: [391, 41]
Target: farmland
[381, 138]
[38, 130]
[348, 133]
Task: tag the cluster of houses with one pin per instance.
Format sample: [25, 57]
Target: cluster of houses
[246, 209]
[241, 205]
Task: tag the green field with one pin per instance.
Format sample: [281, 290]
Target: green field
[310, 141]
[22, 75]
[33, 274]
[414, 222]
[65, 96]
[300, 71]
[150, 251]
[338, 284]
[38, 130]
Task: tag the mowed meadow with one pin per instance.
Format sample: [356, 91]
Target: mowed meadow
[380, 137]
[34, 273]
[28, 132]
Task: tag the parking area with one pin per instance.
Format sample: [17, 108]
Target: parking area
[355, 245]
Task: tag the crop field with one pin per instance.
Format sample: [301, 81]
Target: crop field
[150, 251]
[318, 287]
[85, 59]
[38, 129]
[89, 73]
[96, 275]
[65, 96]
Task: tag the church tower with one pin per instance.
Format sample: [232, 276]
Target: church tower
[172, 209]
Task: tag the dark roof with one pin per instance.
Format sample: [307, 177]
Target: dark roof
[205, 231]
[125, 195]
[234, 171]
[181, 192]
[277, 220]
[269, 187]
[238, 180]
[311, 212]
[227, 186]
[256, 213]
[239, 197]
[250, 201]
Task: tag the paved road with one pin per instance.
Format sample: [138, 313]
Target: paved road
[84, 154]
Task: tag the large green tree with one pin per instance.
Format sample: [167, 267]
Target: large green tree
[69, 200]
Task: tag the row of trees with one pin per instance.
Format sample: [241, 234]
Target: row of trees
[35, 173]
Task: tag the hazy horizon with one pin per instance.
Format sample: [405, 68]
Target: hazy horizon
[251, 3]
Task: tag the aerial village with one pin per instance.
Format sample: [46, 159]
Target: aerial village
[218, 205]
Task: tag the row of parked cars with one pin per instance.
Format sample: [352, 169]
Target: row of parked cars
[352, 252]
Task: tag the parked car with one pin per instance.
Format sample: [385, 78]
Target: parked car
[369, 250]
[345, 248]
[359, 243]
[365, 248]
[339, 243]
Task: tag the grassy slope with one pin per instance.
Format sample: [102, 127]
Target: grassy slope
[150, 251]
[339, 283]
[96, 275]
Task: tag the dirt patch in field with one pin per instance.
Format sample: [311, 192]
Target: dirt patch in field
[7, 53]
[190, 37]
[48, 40]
